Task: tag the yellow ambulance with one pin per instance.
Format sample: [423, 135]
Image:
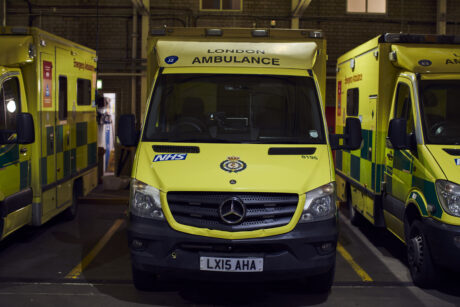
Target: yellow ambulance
[233, 176]
[406, 176]
[48, 131]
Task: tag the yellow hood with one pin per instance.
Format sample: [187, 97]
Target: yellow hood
[230, 167]
[448, 158]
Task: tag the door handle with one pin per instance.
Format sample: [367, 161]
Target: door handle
[52, 140]
[390, 156]
[23, 150]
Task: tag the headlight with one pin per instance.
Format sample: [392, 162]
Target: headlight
[319, 204]
[145, 201]
[449, 195]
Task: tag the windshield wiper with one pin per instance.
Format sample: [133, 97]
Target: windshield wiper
[192, 140]
[287, 141]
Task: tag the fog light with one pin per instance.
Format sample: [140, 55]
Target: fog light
[325, 248]
[138, 244]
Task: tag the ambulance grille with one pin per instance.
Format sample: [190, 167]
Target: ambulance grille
[263, 210]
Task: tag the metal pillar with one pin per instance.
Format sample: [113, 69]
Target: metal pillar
[134, 36]
[441, 17]
[297, 8]
[4, 13]
[144, 35]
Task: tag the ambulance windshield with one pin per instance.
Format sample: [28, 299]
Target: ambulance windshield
[218, 108]
[440, 106]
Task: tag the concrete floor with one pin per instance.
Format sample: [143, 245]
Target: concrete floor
[34, 263]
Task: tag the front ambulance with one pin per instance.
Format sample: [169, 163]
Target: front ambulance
[440, 114]
[436, 77]
[233, 176]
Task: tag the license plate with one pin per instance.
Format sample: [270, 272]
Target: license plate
[231, 264]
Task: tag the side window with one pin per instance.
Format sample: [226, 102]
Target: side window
[10, 103]
[62, 97]
[83, 92]
[221, 5]
[367, 6]
[403, 107]
[353, 102]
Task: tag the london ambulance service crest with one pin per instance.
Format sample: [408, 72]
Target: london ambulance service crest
[233, 165]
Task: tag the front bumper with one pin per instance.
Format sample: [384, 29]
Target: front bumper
[295, 254]
[444, 243]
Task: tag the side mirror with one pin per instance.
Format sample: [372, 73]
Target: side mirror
[127, 130]
[25, 128]
[397, 135]
[352, 137]
[24, 133]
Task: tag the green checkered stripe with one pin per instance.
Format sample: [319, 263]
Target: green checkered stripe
[403, 162]
[9, 156]
[67, 159]
[359, 164]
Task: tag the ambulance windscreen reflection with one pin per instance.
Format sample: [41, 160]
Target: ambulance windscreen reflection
[218, 108]
[440, 107]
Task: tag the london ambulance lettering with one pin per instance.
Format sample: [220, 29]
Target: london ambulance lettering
[248, 56]
[455, 60]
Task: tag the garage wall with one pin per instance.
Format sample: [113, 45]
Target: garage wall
[78, 20]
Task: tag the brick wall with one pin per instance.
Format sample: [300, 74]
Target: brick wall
[77, 20]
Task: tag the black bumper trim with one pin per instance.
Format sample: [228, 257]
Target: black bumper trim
[286, 256]
[444, 249]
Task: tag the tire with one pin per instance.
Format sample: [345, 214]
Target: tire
[142, 280]
[321, 283]
[71, 212]
[355, 217]
[421, 265]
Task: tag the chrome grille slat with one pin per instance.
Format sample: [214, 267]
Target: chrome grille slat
[201, 209]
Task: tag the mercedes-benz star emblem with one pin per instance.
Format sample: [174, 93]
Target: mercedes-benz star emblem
[232, 211]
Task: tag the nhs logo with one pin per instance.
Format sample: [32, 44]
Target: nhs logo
[457, 161]
[169, 157]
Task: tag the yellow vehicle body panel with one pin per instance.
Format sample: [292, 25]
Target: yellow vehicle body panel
[297, 55]
[374, 69]
[427, 59]
[57, 87]
[15, 50]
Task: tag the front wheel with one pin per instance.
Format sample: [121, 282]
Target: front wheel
[71, 212]
[356, 218]
[421, 265]
[143, 280]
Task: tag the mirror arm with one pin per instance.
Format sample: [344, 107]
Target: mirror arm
[338, 137]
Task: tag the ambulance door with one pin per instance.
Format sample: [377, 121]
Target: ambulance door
[48, 134]
[15, 190]
[63, 138]
[399, 163]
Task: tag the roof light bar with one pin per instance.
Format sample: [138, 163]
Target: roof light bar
[19, 30]
[158, 32]
[213, 32]
[315, 34]
[420, 38]
[260, 33]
